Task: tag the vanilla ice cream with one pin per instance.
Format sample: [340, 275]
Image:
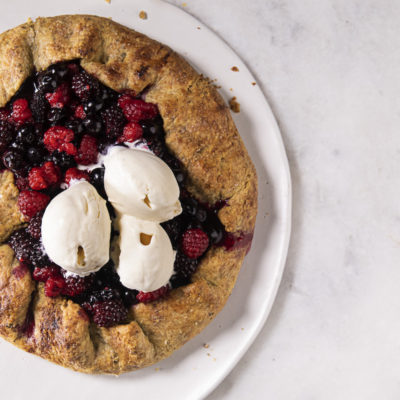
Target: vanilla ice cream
[146, 258]
[140, 184]
[76, 229]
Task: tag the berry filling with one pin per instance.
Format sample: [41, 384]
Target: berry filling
[62, 118]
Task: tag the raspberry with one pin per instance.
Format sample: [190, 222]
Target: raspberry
[75, 173]
[44, 273]
[79, 113]
[185, 266]
[54, 286]
[132, 131]
[59, 138]
[60, 97]
[109, 312]
[87, 153]
[20, 112]
[154, 295]
[30, 202]
[76, 285]
[136, 110]
[114, 121]
[35, 225]
[27, 249]
[85, 86]
[43, 177]
[194, 242]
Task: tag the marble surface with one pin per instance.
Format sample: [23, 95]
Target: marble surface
[330, 70]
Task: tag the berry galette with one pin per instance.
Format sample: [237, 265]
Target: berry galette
[127, 198]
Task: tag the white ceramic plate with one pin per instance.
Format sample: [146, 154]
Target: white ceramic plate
[194, 370]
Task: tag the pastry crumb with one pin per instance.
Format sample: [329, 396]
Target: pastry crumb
[231, 89]
[208, 354]
[108, 1]
[242, 329]
[214, 359]
[253, 83]
[234, 105]
[198, 27]
[156, 369]
[184, 4]
[143, 15]
[235, 69]
[206, 345]
[29, 20]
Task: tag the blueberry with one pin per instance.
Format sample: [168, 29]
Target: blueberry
[13, 160]
[92, 107]
[26, 136]
[75, 125]
[97, 180]
[92, 125]
[190, 206]
[56, 116]
[62, 159]
[201, 214]
[35, 154]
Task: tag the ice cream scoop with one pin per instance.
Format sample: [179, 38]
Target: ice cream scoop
[140, 184]
[76, 229]
[146, 258]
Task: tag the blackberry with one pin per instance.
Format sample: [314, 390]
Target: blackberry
[35, 225]
[109, 312]
[185, 266]
[84, 86]
[47, 81]
[114, 121]
[76, 285]
[174, 228]
[39, 106]
[6, 135]
[27, 249]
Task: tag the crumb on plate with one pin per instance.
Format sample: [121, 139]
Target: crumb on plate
[206, 345]
[235, 69]
[253, 83]
[143, 15]
[234, 105]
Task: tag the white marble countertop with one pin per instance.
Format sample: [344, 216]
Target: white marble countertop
[330, 70]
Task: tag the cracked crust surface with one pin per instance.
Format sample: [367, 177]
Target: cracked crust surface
[200, 132]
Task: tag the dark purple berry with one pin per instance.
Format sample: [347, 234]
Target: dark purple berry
[184, 265]
[35, 225]
[6, 135]
[92, 125]
[13, 160]
[28, 249]
[35, 155]
[97, 180]
[62, 159]
[114, 121]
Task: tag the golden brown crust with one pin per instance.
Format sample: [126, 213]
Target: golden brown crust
[201, 133]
